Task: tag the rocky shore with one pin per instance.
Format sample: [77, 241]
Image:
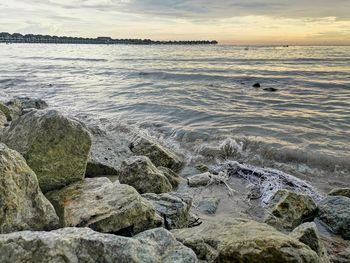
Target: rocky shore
[70, 192]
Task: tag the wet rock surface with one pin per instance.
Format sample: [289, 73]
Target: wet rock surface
[209, 205]
[23, 206]
[71, 245]
[173, 207]
[334, 212]
[104, 206]
[287, 210]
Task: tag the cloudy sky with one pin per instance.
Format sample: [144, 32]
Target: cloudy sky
[228, 21]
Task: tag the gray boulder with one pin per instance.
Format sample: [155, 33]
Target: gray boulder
[158, 154]
[54, 146]
[173, 207]
[139, 172]
[242, 240]
[287, 210]
[334, 212]
[72, 245]
[340, 192]
[22, 204]
[208, 205]
[199, 179]
[30, 103]
[108, 151]
[104, 206]
[307, 233]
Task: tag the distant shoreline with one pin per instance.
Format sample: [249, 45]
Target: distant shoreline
[46, 39]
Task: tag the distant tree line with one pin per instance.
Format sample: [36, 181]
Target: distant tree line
[30, 38]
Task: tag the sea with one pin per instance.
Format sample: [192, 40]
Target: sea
[200, 99]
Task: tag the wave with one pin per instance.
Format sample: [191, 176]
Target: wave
[69, 59]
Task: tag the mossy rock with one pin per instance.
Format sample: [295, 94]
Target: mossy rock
[55, 147]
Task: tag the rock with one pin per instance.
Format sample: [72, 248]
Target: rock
[3, 120]
[139, 172]
[54, 146]
[22, 204]
[9, 113]
[342, 257]
[158, 154]
[307, 233]
[243, 240]
[334, 212]
[29, 103]
[173, 177]
[340, 192]
[256, 85]
[172, 207]
[209, 205]
[271, 89]
[72, 245]
[108, 151]
[199, 179]
[104, 207]
[287, 210]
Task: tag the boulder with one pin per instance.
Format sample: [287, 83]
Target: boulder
[256, 85]
[173, 207]
[158, 154]
[208, 205]
[104, 206]
[72, 245]
[334, 212]
[22, 204]
[342, 257]
[55, 147]
[30, 103]
[3, 120]
[307, 233]
[199, 179]
[173, 177]
[139, 172]
[287, 210]
[241, 240]
[11, 111]
[340, 192]
[108, 151]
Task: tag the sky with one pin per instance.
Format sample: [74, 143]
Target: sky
[306, 22]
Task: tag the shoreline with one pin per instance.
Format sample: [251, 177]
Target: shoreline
[178, 197]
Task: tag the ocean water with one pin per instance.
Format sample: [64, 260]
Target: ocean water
[200, 98]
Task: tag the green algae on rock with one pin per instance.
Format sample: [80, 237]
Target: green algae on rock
[307, 233]
[55, 147]
[72, 245]
[104, 206]
[287, 210]
[23, 206]
[140, 172]
[158, 154]
[233, 240]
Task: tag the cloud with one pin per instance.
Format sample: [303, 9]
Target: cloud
[274, 20]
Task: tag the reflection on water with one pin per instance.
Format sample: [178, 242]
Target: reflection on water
[197, 92]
